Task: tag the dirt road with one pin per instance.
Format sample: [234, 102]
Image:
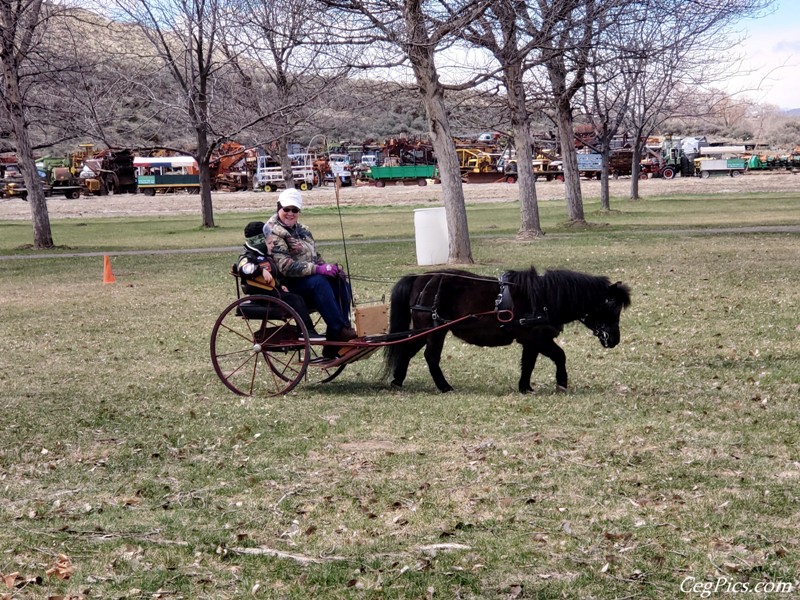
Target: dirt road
[173, 204]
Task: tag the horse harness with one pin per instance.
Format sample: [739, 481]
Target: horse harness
[428, 301]
[504, 307]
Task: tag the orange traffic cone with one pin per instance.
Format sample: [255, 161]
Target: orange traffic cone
[108, 274]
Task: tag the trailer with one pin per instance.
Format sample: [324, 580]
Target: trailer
[543, 168]
[269, 174]
[419, 174]
[590, 165]
[758, 162]
[166, 174]
[708, 167]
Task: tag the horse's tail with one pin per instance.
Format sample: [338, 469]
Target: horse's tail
[399, 320]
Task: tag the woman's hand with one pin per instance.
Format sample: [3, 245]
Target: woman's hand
[327, 269]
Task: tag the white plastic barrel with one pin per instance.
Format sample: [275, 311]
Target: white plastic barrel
[430, 230]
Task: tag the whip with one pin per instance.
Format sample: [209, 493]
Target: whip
[337, 183]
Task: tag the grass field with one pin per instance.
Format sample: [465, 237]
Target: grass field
[127, 470]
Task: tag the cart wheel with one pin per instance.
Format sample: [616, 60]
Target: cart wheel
[316, 374]
[255, 347]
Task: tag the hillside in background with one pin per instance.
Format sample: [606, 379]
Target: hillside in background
[122, 87]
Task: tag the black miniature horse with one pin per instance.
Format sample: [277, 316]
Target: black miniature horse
[521, 306]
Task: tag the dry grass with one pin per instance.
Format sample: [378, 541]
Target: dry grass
[674, 455]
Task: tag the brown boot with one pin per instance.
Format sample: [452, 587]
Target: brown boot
[347, 334]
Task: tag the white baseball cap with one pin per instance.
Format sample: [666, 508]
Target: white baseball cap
[291, 197]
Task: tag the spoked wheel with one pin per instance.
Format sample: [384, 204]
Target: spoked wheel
[256, 349]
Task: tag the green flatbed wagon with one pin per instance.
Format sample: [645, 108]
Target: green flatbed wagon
[404, 173]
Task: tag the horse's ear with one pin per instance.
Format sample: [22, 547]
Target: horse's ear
[622, 293]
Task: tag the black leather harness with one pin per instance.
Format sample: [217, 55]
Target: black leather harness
[504, 308]
[428, 301]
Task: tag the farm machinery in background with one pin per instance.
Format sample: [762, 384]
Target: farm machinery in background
[269, 175]
[232, 167]
[786, 162]
[54, 174]
[105, 172]
[483, 160]
[544, 167]
[405, 162]
[692, 156]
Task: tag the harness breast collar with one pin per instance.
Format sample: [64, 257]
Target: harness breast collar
[504, 307]
[504, 304]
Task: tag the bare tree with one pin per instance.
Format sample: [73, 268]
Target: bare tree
[606, 95]
[498, 31]
[567, 31]
[418, 28]
[185, 37]
[23, 25]
[675, 54]
[287, 66]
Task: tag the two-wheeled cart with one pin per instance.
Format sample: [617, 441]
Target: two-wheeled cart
[261, 347]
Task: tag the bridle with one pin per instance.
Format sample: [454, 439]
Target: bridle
[599, 329]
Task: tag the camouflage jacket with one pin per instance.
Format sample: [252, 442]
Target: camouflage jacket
[295, 251]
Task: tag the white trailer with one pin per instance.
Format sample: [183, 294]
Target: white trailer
[269, 177]
[706, 167]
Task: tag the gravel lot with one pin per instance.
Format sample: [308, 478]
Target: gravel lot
[172, 204]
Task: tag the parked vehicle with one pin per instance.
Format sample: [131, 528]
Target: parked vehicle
[590, 165]
[708, 167]
[403, 173]
[789, 162]
[269, 175]
[339, 165]
[543, 168]
[167, 173]
[109, 172]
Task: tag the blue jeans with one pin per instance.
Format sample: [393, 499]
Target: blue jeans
[329, 295]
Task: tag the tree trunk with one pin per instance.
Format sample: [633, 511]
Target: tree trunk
[40, 219]
[572, 180]
[605, 203]
[420, 52]
[572, 177]
[635, 161]
[530, 227]
[450, 174]
[203, 156]
[286, 162]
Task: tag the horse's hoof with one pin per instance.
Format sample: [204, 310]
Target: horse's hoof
[396, 386]
[561, 389]
[525, 389]
[446, 390]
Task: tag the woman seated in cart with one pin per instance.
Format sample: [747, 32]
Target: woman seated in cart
[259, 273]
[322, 285]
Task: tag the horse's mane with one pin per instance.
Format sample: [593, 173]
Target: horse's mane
[566, 294]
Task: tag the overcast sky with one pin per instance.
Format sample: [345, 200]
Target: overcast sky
[772, 49]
